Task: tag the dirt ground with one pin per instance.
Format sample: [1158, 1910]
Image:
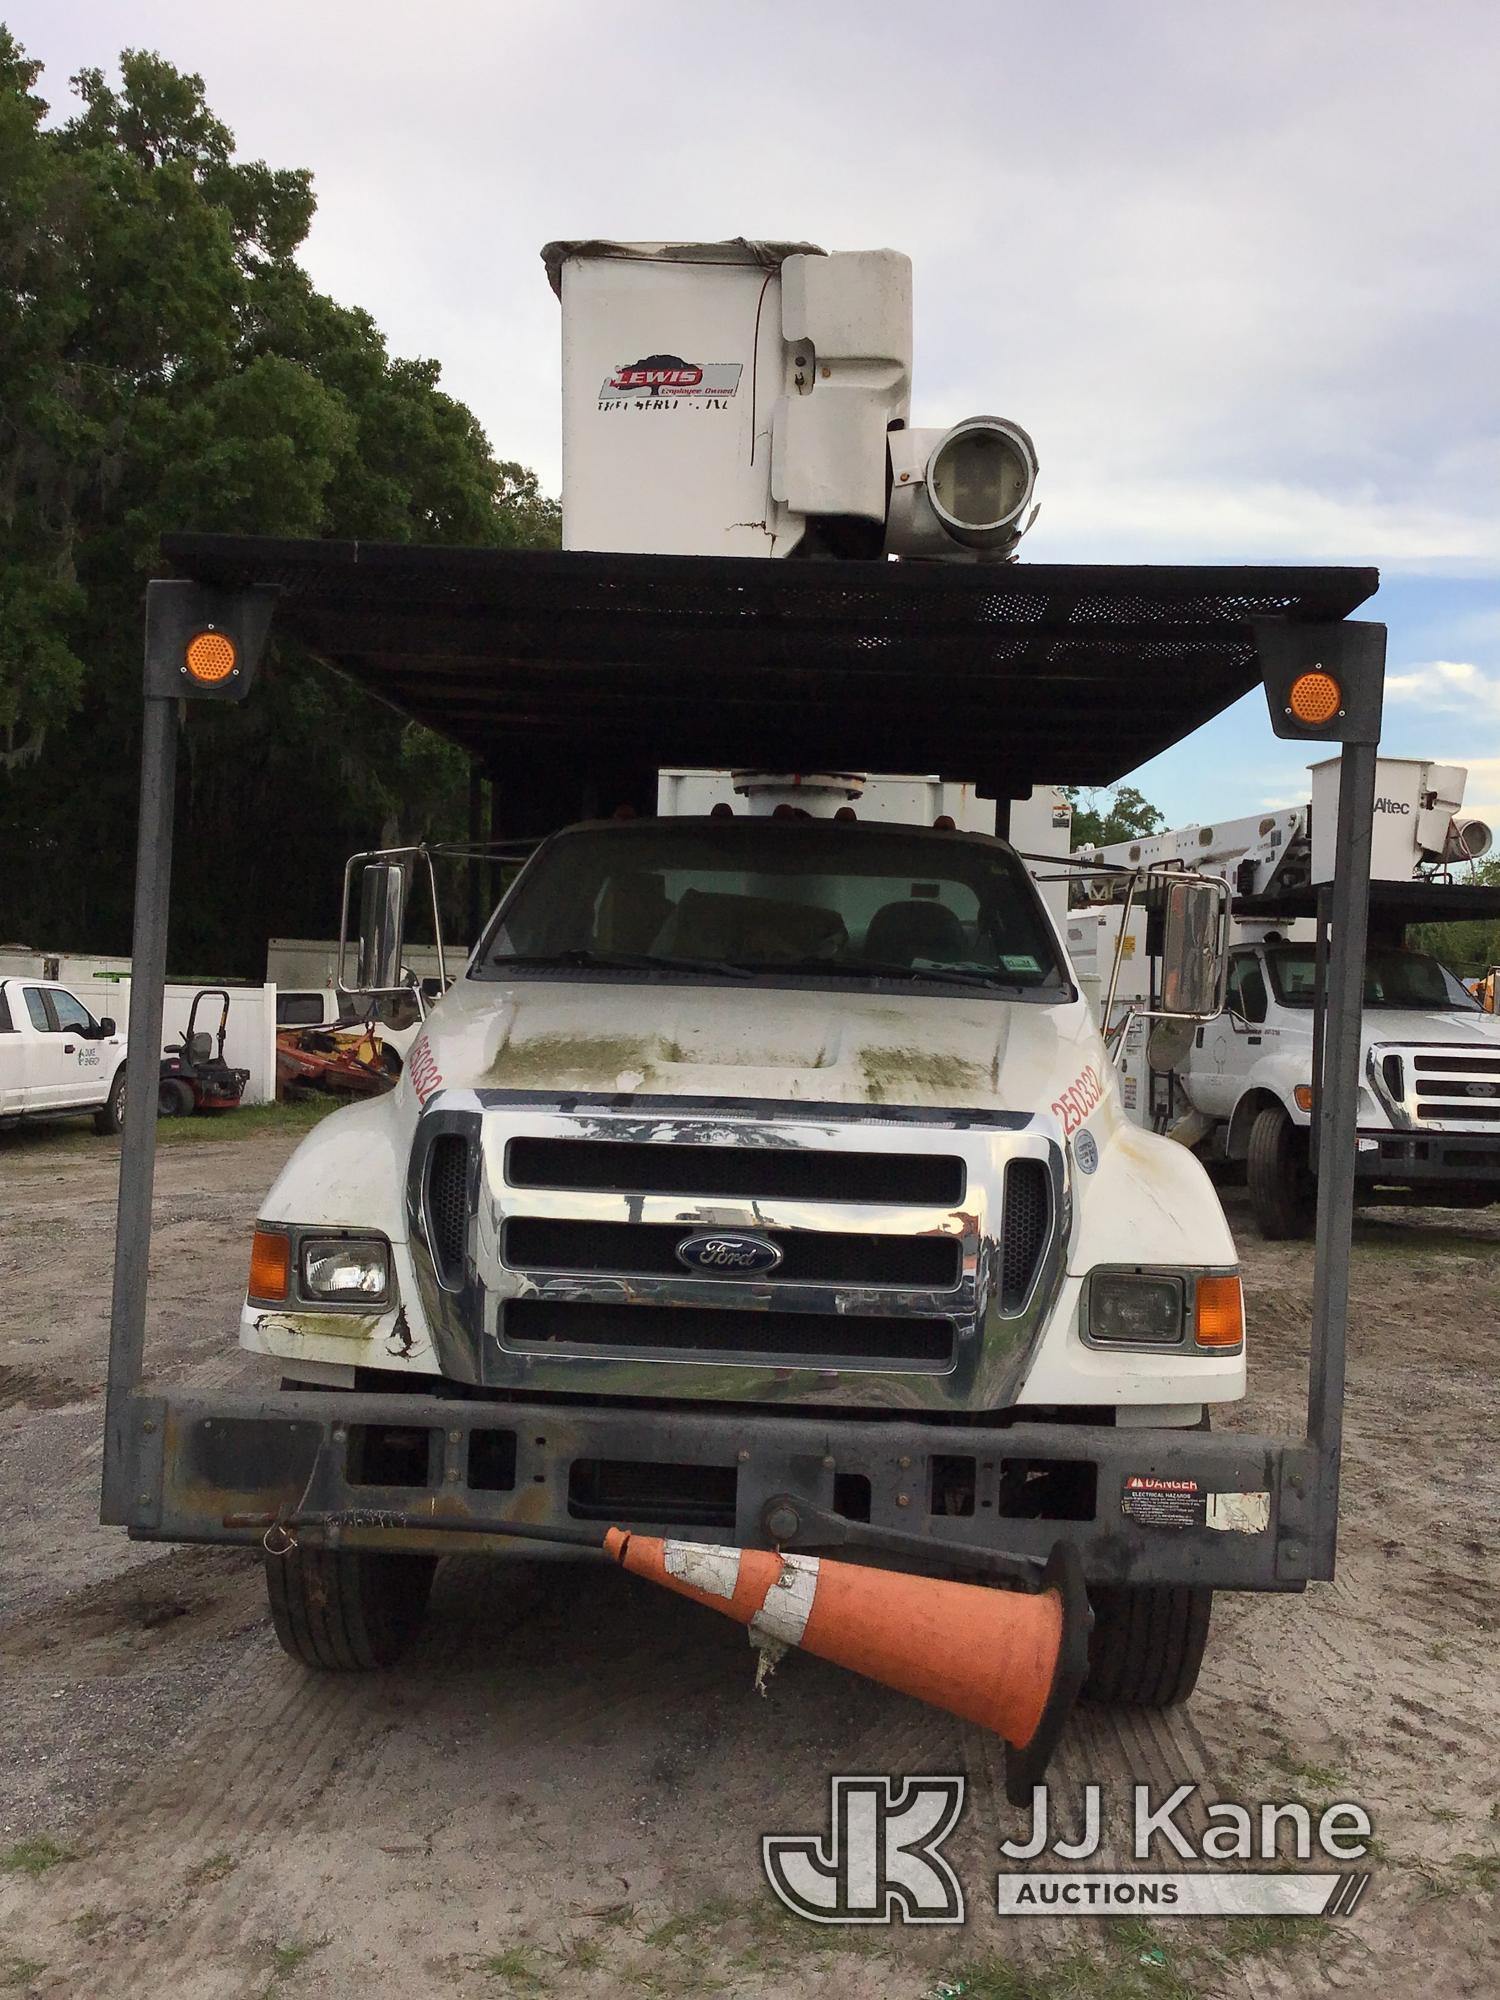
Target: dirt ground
[563, 1791]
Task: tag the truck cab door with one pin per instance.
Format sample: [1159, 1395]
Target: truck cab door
[1227, 1048]
[85, 1071]
[12, 1053]
[43, 1063]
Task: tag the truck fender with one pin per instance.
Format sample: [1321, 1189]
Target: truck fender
[1237, 1139]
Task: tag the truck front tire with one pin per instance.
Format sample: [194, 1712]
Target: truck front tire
[347, 1610]
[1147, 1643]
[110, 1117]
[1283, 1194]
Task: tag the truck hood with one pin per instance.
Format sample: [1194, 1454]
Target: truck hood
[1402, 1024]
[750, 1041]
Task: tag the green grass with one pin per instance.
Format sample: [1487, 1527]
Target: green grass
[516, 1965]
[1133, 1959]
[64, 1137]
[690, 1926]
[290, 1953]
[252, 1122]
[19, 1972]
[1325, 1780]
[214, 1869]
[34, 1856]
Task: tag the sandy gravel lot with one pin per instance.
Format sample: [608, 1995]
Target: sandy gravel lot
[563, 1791]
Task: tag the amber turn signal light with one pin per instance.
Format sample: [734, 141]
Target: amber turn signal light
[270, 1265]
[1315, 699]
[1219, 1320]
[211, 657]
[1302, 1097]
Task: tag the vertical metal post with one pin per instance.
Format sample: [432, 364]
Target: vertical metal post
[475, 882]
[1320, 1017]
[148, 971]
[1348, 914]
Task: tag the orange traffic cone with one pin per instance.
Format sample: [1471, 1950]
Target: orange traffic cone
[1011, 1662]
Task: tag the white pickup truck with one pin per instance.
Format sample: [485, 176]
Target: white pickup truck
[56, 1060]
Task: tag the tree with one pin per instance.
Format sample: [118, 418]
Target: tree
[1471, 946]
[1117, 812]
[168, 364]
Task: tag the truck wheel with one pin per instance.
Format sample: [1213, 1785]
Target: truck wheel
[1147, 1643]
[347, 1610]
[110, 1117]
[1283, 1194]
[174, 1098]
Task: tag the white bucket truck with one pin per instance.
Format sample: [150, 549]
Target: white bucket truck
[1241, 1087]
[764, 1179]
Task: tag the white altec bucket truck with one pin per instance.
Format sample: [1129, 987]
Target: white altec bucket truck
[1241, 1087]
[764, 1179]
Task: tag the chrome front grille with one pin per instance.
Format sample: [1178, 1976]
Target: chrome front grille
[1440, 1087]
[624, 1166]
[770, 1338]
[919, 1251]
[540, 1243]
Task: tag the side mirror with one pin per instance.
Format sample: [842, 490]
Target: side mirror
[106, 1027]
[382, 920]
[1194, 956]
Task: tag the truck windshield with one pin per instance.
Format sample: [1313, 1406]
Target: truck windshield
[740, 897]
[1393, 978]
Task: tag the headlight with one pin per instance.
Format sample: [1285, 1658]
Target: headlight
[350, 1270]
[1135, 1309]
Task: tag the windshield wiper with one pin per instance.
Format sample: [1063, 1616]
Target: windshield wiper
[620, 961]
[869, 968]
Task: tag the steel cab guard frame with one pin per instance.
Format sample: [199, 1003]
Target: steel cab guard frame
[242, 1467]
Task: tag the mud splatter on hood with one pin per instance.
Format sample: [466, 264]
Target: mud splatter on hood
[755, 1041]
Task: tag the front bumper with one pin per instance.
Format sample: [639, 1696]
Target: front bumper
[1143, 1506]
[1398, 1158]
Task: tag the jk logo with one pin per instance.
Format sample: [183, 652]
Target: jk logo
[879, 1863]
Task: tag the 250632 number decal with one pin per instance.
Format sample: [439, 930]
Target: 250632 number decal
[1078, 1100]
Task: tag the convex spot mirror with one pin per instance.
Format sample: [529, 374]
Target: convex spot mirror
[382, 922]
[1194, 952]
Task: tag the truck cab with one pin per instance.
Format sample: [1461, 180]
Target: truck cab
[1241, 1086]
[56, 1059]
[1429, 1102]
[860, 1051]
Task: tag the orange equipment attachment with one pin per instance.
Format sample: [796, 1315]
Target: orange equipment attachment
[1010, 1661]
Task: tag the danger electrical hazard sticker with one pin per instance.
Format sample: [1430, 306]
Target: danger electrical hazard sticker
[1165, 1503]
[1183, 1503]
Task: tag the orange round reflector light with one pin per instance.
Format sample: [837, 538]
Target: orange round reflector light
[1220, 1313]
[270, 1265]
[1316, 698]
[211, 658]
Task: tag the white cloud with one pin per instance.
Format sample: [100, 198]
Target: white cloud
[1450, 686]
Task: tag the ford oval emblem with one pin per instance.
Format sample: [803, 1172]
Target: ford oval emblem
[725, 1253]
[1480, 1089]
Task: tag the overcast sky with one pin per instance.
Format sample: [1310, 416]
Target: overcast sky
[1237, 275]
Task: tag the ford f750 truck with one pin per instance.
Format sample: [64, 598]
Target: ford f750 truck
[763, 1179]
[1241, 1087]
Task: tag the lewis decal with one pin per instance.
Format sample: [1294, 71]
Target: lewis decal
[658, 378]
